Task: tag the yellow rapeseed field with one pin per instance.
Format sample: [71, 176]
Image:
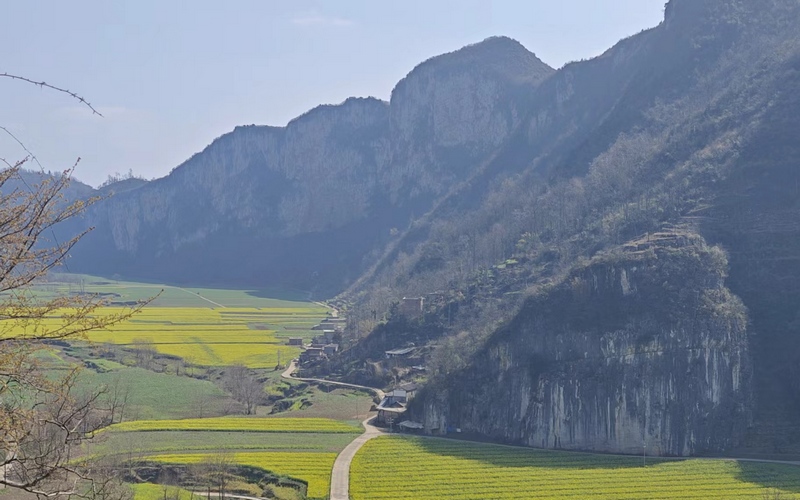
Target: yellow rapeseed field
[313, 468]
[243, 424]
[203, 336]
[423, 468]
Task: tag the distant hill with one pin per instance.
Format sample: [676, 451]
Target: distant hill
[609, 253]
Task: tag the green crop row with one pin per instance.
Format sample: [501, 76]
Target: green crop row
[316, 425]
[313, 468]
[435, 468]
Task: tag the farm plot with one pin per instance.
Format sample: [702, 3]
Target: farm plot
[294, 425]
[313, 468]
[137, 445]
[437, 468]
[205, 336]
[147, 491]
[201, 336]
[210, 327]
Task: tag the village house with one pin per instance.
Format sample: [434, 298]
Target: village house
[399, 353]
[412, 307]
[392, 407]
[328, 334]
[297, 341]
[311, 354]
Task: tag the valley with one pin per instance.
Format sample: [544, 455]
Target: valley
[179, 421]
[498, 277]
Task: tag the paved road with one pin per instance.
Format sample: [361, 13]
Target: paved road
[293, 366]
[227, 495]
[340, 478]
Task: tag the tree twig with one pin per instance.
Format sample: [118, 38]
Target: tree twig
[53, 87]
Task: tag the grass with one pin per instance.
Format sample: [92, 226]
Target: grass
[338, 404]
[242, 424]
[156, 395]
[169, 295]
[313, 468]
[437, 468]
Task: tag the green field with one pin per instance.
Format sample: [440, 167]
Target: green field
[116, 290]
[313, 468]
[293, 425]
[157, 395]
[439, 468]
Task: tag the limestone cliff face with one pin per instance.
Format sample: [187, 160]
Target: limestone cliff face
[640, 349]
[456, 109]
[306, 203]
[258, 178]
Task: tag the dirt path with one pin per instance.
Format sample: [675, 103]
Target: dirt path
[196, 295]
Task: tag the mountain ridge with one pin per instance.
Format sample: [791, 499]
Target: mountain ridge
[649, 192]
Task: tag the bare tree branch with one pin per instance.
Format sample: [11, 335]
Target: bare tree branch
[52, 87]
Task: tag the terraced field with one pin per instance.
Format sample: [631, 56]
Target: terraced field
[437, 468]
[313, 468]
[144, 443]
[293, 425]
[210, 327]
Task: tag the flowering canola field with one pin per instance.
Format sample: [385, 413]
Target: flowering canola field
[206, 336]
[422, 468]
[313, 468]
[244, 424]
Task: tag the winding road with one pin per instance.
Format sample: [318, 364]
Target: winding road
[340, 478]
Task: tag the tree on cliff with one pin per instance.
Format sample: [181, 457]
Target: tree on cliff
[43, 418]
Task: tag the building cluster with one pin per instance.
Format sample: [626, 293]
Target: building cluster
[324, 344]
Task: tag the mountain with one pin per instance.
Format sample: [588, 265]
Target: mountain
[622, 272]
[306, 204]
[608, 253]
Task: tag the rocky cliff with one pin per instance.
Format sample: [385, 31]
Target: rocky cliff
[643, 348]
[683, 129]
[308, 205]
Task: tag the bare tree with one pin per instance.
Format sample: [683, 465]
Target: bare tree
[145, 352]
[244, 387]
[42, 420]
[215, 472]
[118, 394]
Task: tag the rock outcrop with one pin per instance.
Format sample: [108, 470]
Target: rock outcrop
[645, 348]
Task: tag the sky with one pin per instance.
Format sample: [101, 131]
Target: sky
[169, 76]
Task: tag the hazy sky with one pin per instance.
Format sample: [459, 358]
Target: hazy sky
[170, 76]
